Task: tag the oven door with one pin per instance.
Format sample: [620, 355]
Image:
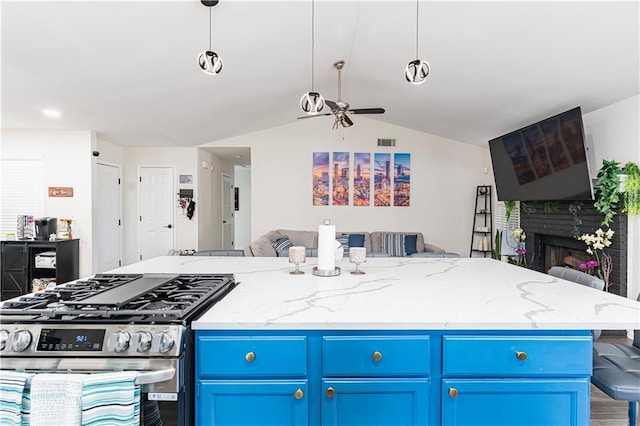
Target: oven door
[163, 396]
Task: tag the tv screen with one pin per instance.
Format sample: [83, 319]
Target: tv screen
[543, 161]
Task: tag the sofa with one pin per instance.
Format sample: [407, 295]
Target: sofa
[376, 243]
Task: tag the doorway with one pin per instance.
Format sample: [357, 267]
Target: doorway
[227, 212]
[108, 218]
[156, 189]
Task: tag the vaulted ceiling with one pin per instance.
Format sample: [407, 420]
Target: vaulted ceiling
[128, 69]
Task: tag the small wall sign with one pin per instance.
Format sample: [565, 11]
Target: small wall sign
[60, 191]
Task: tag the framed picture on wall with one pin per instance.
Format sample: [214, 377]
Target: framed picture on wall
[186, 178]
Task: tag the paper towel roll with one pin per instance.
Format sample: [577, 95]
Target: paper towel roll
[326, 247]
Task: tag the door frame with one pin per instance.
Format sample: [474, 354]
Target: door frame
[139, 168]
[233, 225]
[120, 213]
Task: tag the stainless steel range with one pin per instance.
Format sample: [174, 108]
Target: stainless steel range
[139, 322]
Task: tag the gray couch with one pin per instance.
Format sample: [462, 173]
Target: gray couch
[263, 246]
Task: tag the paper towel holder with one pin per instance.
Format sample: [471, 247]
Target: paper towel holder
[327, 273]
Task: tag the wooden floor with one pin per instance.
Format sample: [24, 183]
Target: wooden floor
[606, 411]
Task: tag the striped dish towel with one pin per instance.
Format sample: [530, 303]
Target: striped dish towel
[110, 399]
[12, 386]
[56, 399]
[26, 402]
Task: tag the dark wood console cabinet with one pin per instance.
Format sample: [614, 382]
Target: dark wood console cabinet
[18, 264]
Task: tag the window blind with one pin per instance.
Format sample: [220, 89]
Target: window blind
[22, 192]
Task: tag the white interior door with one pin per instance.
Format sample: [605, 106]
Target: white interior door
[155, 204]
[227, 212]
[108, 223]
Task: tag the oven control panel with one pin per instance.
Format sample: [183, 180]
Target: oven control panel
[92, 340]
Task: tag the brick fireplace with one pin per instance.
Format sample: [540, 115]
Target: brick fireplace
[551, 242]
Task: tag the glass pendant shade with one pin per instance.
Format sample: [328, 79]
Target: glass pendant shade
[312, 102]
[417, 71]
[210, 63]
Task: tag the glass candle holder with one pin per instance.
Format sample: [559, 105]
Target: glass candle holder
[357, 255]
[297, 255]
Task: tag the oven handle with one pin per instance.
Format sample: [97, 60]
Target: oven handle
[156, 376]
[142, 378]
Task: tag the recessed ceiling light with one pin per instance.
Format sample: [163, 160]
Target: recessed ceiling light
[52, 113]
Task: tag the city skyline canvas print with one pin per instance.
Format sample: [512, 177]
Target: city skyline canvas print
[320, 175]
[361, 178]
[402, 180]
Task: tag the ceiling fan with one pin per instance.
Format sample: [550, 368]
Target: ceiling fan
[341, 109]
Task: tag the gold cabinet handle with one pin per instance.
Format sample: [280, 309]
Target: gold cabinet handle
[331, 392]
[250, 356]
[453, 392]
[298, 394]
[377, 356]
[521, 355]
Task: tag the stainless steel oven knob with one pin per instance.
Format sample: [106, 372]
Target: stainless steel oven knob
[141, 340]
[4, 336]
[119, 341]
[162, 342]
[20, 341]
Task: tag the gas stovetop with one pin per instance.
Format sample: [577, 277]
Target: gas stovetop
[123, 298]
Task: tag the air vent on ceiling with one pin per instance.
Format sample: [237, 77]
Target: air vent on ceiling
[386, 142]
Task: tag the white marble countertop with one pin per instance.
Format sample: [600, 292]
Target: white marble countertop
[399, 293]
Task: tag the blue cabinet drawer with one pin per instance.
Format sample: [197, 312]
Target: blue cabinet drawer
[376, 356]
[276, 356]
[516, 355]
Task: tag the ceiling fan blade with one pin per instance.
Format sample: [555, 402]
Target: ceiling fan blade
[314, 115]
[367, 111]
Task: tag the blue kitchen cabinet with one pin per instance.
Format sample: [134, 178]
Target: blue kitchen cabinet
[375, 402]
[392, 377]
[515, 402]
[515, 380]
[252, 403]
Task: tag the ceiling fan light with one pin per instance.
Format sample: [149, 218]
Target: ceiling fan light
[312, 103]
[210, 63]
[417, 71]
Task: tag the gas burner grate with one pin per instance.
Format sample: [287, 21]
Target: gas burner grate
[133, 298]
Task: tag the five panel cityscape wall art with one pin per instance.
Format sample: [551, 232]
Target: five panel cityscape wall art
[391, 183]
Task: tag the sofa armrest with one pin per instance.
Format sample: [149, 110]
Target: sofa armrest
[430, 248]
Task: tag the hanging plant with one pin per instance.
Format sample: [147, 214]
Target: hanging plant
[574, 209]
[607, 195]
[631, 189]
[509, 206]
[528, 207]
[551, 206]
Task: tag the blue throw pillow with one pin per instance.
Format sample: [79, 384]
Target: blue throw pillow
[410, 244]
[356, 240]
[282, 245]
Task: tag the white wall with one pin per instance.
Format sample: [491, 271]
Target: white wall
[67, 162]
[613, 133]
[444, 175]
[242, 217]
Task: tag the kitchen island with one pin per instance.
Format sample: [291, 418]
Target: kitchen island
[412, 342]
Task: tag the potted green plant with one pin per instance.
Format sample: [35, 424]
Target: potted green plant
[607, 192]
[631, 189]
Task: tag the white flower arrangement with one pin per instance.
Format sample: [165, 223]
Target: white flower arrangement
[596, 242]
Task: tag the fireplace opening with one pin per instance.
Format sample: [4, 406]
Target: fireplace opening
[560, 251]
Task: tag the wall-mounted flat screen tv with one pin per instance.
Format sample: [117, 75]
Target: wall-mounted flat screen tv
[543, 161]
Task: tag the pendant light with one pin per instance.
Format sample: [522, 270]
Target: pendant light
[209, 61]
[417, 70]
[312, 102]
